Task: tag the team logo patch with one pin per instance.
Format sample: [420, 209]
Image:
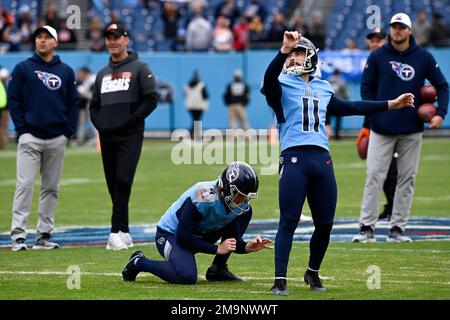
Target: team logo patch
[294, 159]
[404, 71]
[116, 82]
[50, 80]
[233, 173]
[161, 240]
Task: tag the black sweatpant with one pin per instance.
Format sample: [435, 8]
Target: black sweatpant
[196, 116]
[120, 159]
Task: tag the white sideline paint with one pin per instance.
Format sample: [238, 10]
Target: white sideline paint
[115, 274]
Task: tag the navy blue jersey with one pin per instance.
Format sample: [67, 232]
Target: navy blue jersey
[389, 73]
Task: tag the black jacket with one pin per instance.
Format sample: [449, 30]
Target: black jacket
[124, 95]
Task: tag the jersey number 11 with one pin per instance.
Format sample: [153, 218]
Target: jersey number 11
[305, 112]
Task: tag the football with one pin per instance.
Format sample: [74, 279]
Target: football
[426, 112]
[428, 94]
[362, 147]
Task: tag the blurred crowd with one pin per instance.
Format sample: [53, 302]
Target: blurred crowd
[197, 25]
[16, 32]
[434, 33]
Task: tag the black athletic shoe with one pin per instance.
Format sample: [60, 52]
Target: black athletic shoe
[279, 288]
[127, 273]
[386, 214]
[312, 279]
[222, 274]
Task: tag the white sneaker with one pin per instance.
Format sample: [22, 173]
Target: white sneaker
[126, 238]
[396, 235]
[115, 242]
[19, 245]
[365, 235]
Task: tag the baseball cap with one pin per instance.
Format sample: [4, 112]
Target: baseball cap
[401, 18]
[115, 29]
[237, 73]
[49, 29]
[377, 32]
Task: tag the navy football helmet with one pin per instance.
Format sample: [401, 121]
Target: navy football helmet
[311, 59]
[238, 178]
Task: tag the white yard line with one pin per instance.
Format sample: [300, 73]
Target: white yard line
[367, 248]
[115, 274]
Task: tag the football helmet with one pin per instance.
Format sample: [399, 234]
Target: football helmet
[309, 65]
[238, 178]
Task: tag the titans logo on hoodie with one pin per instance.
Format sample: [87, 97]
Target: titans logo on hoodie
[50, 80]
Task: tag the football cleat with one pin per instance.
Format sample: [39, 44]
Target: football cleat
[312, 279]
[222, 274]
[280, 287]
[127, 273]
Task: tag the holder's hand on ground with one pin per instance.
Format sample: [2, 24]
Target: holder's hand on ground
[405, 100]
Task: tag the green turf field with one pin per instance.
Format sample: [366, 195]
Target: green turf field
[419, 270]
[407, 271]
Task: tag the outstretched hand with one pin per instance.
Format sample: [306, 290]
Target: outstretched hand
[405, 100]
[257, 244]
[290, 40]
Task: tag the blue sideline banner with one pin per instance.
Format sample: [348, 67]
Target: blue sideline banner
[350, 65]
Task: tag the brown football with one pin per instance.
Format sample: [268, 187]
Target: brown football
[428, 94]
[426, 112]
[362, 147]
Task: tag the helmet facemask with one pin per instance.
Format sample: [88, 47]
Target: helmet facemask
[242, 207]
[297, 66]
[236, 193]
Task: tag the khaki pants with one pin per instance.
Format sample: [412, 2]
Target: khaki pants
[379, 157]
[34, 153]
[237, 112]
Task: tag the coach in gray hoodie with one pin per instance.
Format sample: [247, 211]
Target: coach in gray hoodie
[124, 95]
